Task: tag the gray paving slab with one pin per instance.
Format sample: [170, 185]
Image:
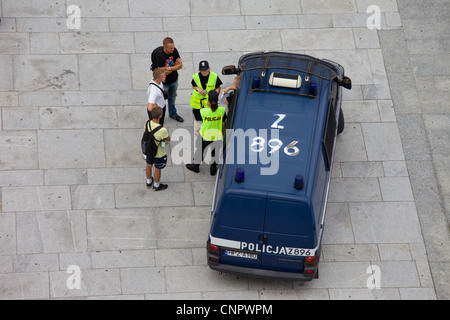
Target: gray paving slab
[6, 264]
[143, 280]
[49, 232]
[20, 119]
[35, 198]
[351, 144]
[41, 24]
[57, 177]
[9, 99]
[15, 43]
[97, 282]
[96, 43]
[119, 152]
[354, 190]
[318, 39]
[105, 229]
[358, 294]
[92, 197]
[135, 196]
[17, 286]
[327, 6]
[36, 262]
[371, 223]
[6, 83]
[353, 252]
[396, 189]
[40, 8]
[382, 141]
[340, 230]
[123, 259]
[182, 227]
[21, 178]
[80, 259]
[39, 98]
[76, 117]
[118, 8]
[8, 237]
[47, 73]
[192, 279]
[412, 131]
[130, 175]
[44, 43]
[364, 169]
[140, 8]
[61, 149]
[434, 93]
[90, 98]
[109, 78]
[72, 106]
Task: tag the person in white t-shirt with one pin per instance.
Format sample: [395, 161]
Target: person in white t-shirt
[155, 94]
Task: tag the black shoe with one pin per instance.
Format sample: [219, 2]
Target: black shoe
[178, 118]
[161, 186]
[193, 167]
[149, 185]
[213, 169]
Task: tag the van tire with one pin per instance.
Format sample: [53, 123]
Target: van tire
[341, 122]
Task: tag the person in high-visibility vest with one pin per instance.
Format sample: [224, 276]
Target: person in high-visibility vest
[211, 131]
[202, 82]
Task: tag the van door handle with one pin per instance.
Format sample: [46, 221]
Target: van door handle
[265, 239]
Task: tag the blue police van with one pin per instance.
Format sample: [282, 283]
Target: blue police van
[270, 197]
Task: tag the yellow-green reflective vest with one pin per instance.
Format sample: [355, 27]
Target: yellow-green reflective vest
[211, 129]
[198, 100]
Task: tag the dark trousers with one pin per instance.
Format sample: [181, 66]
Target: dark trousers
[198, 157]
[172, 91]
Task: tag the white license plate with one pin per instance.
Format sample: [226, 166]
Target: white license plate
[241, 254]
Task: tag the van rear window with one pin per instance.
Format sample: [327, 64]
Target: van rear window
[286, 217]
[243, 212]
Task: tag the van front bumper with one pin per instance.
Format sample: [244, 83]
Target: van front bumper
[262, 273]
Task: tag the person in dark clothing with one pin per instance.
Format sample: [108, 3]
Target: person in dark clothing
[168, 58]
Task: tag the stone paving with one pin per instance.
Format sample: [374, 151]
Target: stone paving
[72, 177]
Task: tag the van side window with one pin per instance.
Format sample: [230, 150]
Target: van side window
[230, 119]
[333, 93]
[329, 133]
[231, 107]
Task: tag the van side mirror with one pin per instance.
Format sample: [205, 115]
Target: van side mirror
[228, 70]
[346, 82]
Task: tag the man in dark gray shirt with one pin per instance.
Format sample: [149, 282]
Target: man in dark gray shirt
[168, 58]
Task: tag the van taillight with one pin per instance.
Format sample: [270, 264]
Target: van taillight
[213, 249]
[311, 260]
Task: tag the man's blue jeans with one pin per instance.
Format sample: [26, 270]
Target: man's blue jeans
[172, 90]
